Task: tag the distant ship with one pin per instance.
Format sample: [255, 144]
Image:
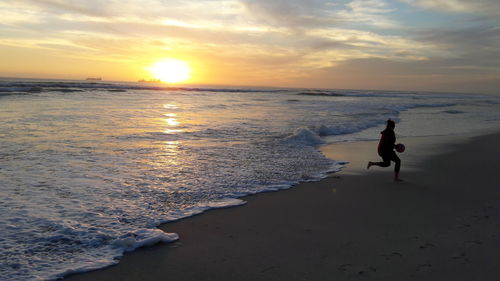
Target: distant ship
[94, 78]
[150, 81]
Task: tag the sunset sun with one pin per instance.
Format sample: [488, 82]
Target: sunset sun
[170, 70]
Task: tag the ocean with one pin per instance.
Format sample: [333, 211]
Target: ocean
[89, 169]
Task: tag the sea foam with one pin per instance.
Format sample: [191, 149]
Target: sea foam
[143, 238]
[305, 136]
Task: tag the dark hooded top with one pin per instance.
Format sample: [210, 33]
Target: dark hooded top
[387, 142]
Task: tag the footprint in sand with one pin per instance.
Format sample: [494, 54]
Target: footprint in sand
[481, 217]
[351, 269]
[427, 246]
[460, 257]
[464, 226]
[269, 268]
[392, 255]
[345, 267]
[367, 271]
[472, 243]
[424, 267]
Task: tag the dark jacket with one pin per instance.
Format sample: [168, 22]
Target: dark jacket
[387, 142]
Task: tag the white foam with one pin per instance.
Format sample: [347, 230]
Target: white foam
[305, 136]
[144, 238]
[344, 129]
[202, 207]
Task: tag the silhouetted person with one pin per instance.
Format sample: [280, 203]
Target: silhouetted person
[386, 150]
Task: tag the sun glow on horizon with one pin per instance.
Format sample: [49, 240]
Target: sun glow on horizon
[170, 70]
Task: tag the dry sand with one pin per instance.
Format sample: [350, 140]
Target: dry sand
[442, 223]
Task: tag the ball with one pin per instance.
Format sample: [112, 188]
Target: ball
[400, 147]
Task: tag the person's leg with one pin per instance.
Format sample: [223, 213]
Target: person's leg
[386, 162]
[397, 167]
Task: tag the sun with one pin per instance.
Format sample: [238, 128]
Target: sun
[170, 70]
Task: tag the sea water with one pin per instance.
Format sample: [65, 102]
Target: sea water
[88, 170]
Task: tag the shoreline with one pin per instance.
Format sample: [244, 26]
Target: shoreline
[351, 225]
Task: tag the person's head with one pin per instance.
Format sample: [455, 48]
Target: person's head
[391, 124]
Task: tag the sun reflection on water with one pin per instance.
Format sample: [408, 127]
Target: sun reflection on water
[172, 131]
[171, 121]
[170, 106]
[171, 148]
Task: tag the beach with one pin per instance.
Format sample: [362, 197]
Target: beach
[441, 223]
[93, 170]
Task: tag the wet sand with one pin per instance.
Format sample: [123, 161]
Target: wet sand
[442, 223]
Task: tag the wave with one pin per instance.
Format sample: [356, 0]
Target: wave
[126, 243]
[388, 94]
[23, 87]
[313, 136]
[305, 136]
[321, 93]
[452, 111]
[29, 86]
[343, 129]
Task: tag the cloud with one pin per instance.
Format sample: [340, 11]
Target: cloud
[483, 7]
[90, 8]
[274, 47]
[462, 38]
[294, 14]
[304, 14]
[422, 75]
[473, 48]
[102, 35]
[370, 12]
[256, 22]
[222, 11]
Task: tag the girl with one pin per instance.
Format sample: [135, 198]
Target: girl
[386, 150]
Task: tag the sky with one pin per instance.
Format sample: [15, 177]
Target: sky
[417, 45]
